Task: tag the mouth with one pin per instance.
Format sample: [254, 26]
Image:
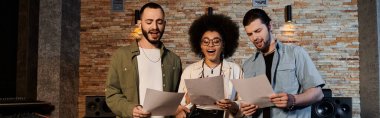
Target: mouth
[154, 34]
[259, 43]
[211, 51]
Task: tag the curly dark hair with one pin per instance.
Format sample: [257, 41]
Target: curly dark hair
[228, 30]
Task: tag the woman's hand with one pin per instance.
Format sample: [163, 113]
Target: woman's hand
[181, 111]
[224, 104]
[248, 109]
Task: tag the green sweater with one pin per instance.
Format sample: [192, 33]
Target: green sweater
[123, 79]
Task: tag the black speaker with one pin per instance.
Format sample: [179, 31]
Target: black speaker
[96, 107]
[332, 107]
[327, 92]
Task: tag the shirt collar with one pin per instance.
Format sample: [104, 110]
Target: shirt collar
[135, 48]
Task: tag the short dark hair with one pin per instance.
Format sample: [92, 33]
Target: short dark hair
[228, 30]
[254, 14]
[151, 5]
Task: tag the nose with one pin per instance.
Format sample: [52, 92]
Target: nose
[155, 25]
[254, 38]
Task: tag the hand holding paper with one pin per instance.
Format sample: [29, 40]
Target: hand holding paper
[205, 91]
[161, 103]
[254, 90]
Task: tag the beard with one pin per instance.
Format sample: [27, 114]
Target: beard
[266, 45]
[152, 41]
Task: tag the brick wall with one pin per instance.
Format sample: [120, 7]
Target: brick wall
[327, 29]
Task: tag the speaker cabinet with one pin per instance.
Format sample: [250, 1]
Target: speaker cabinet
[332, 107]
[327, 92]
[96, 107]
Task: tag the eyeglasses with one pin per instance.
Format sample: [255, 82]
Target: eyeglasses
[215, 42]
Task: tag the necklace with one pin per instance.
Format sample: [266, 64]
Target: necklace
[212, 69]
[270, 52]
[151, 60]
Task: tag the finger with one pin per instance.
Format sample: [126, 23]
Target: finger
[249, 112]
[280, 104]
[273, 96]
[185, 109]
[256, 107]
[247, 108]
[139, 107]
[226, 101]
[283, 94]
[218, 103]
[145, 113]
[275, 99]
[183, 115]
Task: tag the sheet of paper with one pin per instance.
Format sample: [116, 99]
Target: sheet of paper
[205, 91]
[161, 103]
[254, 90]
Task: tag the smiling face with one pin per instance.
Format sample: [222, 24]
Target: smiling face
[212, 45]
[152, 25]
[259, 35]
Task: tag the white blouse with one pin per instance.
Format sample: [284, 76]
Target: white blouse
[229, 71]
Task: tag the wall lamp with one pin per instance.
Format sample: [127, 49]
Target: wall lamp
[209, 11]
[288, 13]
[137, 16]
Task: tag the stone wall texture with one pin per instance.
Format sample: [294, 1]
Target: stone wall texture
[327, 29]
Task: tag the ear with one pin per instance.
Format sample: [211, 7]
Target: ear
[139, 23]
[270, 26]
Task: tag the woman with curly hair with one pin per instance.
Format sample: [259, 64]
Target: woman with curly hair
[214, 38]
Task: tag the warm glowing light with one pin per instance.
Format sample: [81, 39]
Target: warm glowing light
[136, 33]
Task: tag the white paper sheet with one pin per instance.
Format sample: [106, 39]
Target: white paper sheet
[161, 103]
[254, 90]
[205, 91]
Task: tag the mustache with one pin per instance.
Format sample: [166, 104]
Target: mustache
[154, 31]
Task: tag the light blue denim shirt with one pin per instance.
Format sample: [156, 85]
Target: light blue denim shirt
[292, 72]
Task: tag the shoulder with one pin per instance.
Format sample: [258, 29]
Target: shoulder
[192, 70]
[250, 59]
[171, 54]
[232, 65]
[194, 66]
[122, 51]
[293, 48]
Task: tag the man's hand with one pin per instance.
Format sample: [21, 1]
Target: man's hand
[138, 112]
[280, 100]
[248, 109]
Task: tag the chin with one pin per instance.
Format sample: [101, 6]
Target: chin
[212, 59]
[154, 41]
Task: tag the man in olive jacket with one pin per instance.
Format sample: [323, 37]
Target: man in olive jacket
[141, 65]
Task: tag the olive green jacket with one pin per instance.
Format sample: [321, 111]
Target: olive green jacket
[121, 88]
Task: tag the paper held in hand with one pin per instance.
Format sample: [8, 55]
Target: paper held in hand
[254, 90]
[161, 103]
[205, 91]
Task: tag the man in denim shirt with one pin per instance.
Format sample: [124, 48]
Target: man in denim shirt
[293, 76]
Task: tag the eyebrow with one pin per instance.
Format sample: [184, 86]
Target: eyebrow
[260, 28]
[149, 20]
[212, 38]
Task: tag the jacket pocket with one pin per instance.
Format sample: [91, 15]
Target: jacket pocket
[286, 78]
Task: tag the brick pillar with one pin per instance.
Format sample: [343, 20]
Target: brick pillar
[369, 25]
[58, 55]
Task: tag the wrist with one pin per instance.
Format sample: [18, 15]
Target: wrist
[291, 102]
[234, 108]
